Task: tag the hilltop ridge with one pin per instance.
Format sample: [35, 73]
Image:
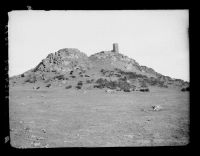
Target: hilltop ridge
[73, 65]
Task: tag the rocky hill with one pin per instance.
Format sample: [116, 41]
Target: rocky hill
[106, 69]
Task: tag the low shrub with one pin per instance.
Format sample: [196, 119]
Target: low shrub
[59, 77]
[120, 85]
[185, 89]
[144, 89]
[48, 85]
[126, 90]
[124, 85]
[78, 87]
[89, 81]
[80, 83]
[98, 86]
[68, 87]
[31, 79]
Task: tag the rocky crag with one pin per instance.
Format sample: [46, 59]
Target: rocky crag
[107, 69]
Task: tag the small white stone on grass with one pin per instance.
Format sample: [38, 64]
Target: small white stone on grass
[156, 107]
[110, 91]
[43, 130]
[33, 136]
[36, 144]
[46, 146]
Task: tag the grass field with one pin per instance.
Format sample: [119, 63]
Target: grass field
[59, 117]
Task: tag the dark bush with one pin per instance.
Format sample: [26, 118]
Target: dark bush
[80, 83]
[112, 85]
[71, 72]
[162, 84]
[48, 85]
[59, 77]
[31, 79]
[107, 73]
[144, 89]
[120, 85]
[143, 84]
[118, 75]
[98, 86]
[68, 87]
[87, 76]
[156, 82]
[78, 87]
[102, 82]
[124, 78]
[130, 75]
[89, 81]
[185, 89]
[73, 76]
[124, 85]
[126, 90]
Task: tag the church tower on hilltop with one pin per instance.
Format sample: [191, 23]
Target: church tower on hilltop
[115, 48]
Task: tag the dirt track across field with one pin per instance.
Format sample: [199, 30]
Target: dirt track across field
[57, 117]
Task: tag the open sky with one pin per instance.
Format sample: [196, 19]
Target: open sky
[154, 38]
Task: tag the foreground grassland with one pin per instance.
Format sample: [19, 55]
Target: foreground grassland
[57, 117]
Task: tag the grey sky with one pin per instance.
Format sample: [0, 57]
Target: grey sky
[157, 38]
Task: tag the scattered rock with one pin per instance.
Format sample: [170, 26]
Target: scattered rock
[129, 136]
[36, 144]
[6, 139]
[21, 122]
[39, 138]
[33, 136]
[11, 129]
[27, 128]
[109, 91]
[64, 82]
[43, 130]
[35, 88]
[87, 76]
[156, 107]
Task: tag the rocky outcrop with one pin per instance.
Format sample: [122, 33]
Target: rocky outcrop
[70, 63]
[64, 61]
